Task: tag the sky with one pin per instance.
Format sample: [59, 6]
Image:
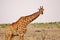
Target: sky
[12, 10]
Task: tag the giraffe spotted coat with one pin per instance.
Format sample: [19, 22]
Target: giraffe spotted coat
[19, 27]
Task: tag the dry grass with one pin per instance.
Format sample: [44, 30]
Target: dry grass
[37, 32]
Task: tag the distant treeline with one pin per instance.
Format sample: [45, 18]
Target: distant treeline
[37, 24]
[47, 25]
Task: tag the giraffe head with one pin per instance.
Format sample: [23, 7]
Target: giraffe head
[41, 9]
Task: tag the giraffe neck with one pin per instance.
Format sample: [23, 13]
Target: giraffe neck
[25, 20]
[32, 17]
[28, 19]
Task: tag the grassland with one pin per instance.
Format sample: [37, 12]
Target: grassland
[37, 31]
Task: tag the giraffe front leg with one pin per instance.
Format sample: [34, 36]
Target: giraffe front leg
[21, 36]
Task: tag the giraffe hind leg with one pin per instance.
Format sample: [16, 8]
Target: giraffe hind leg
[8, 35]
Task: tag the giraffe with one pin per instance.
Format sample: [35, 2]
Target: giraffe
[19, 27]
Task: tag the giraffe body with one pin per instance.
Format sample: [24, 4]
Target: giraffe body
[19, 27]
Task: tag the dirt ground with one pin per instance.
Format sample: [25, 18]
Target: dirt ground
[36, 34]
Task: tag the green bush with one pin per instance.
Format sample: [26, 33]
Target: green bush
[3, 25]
